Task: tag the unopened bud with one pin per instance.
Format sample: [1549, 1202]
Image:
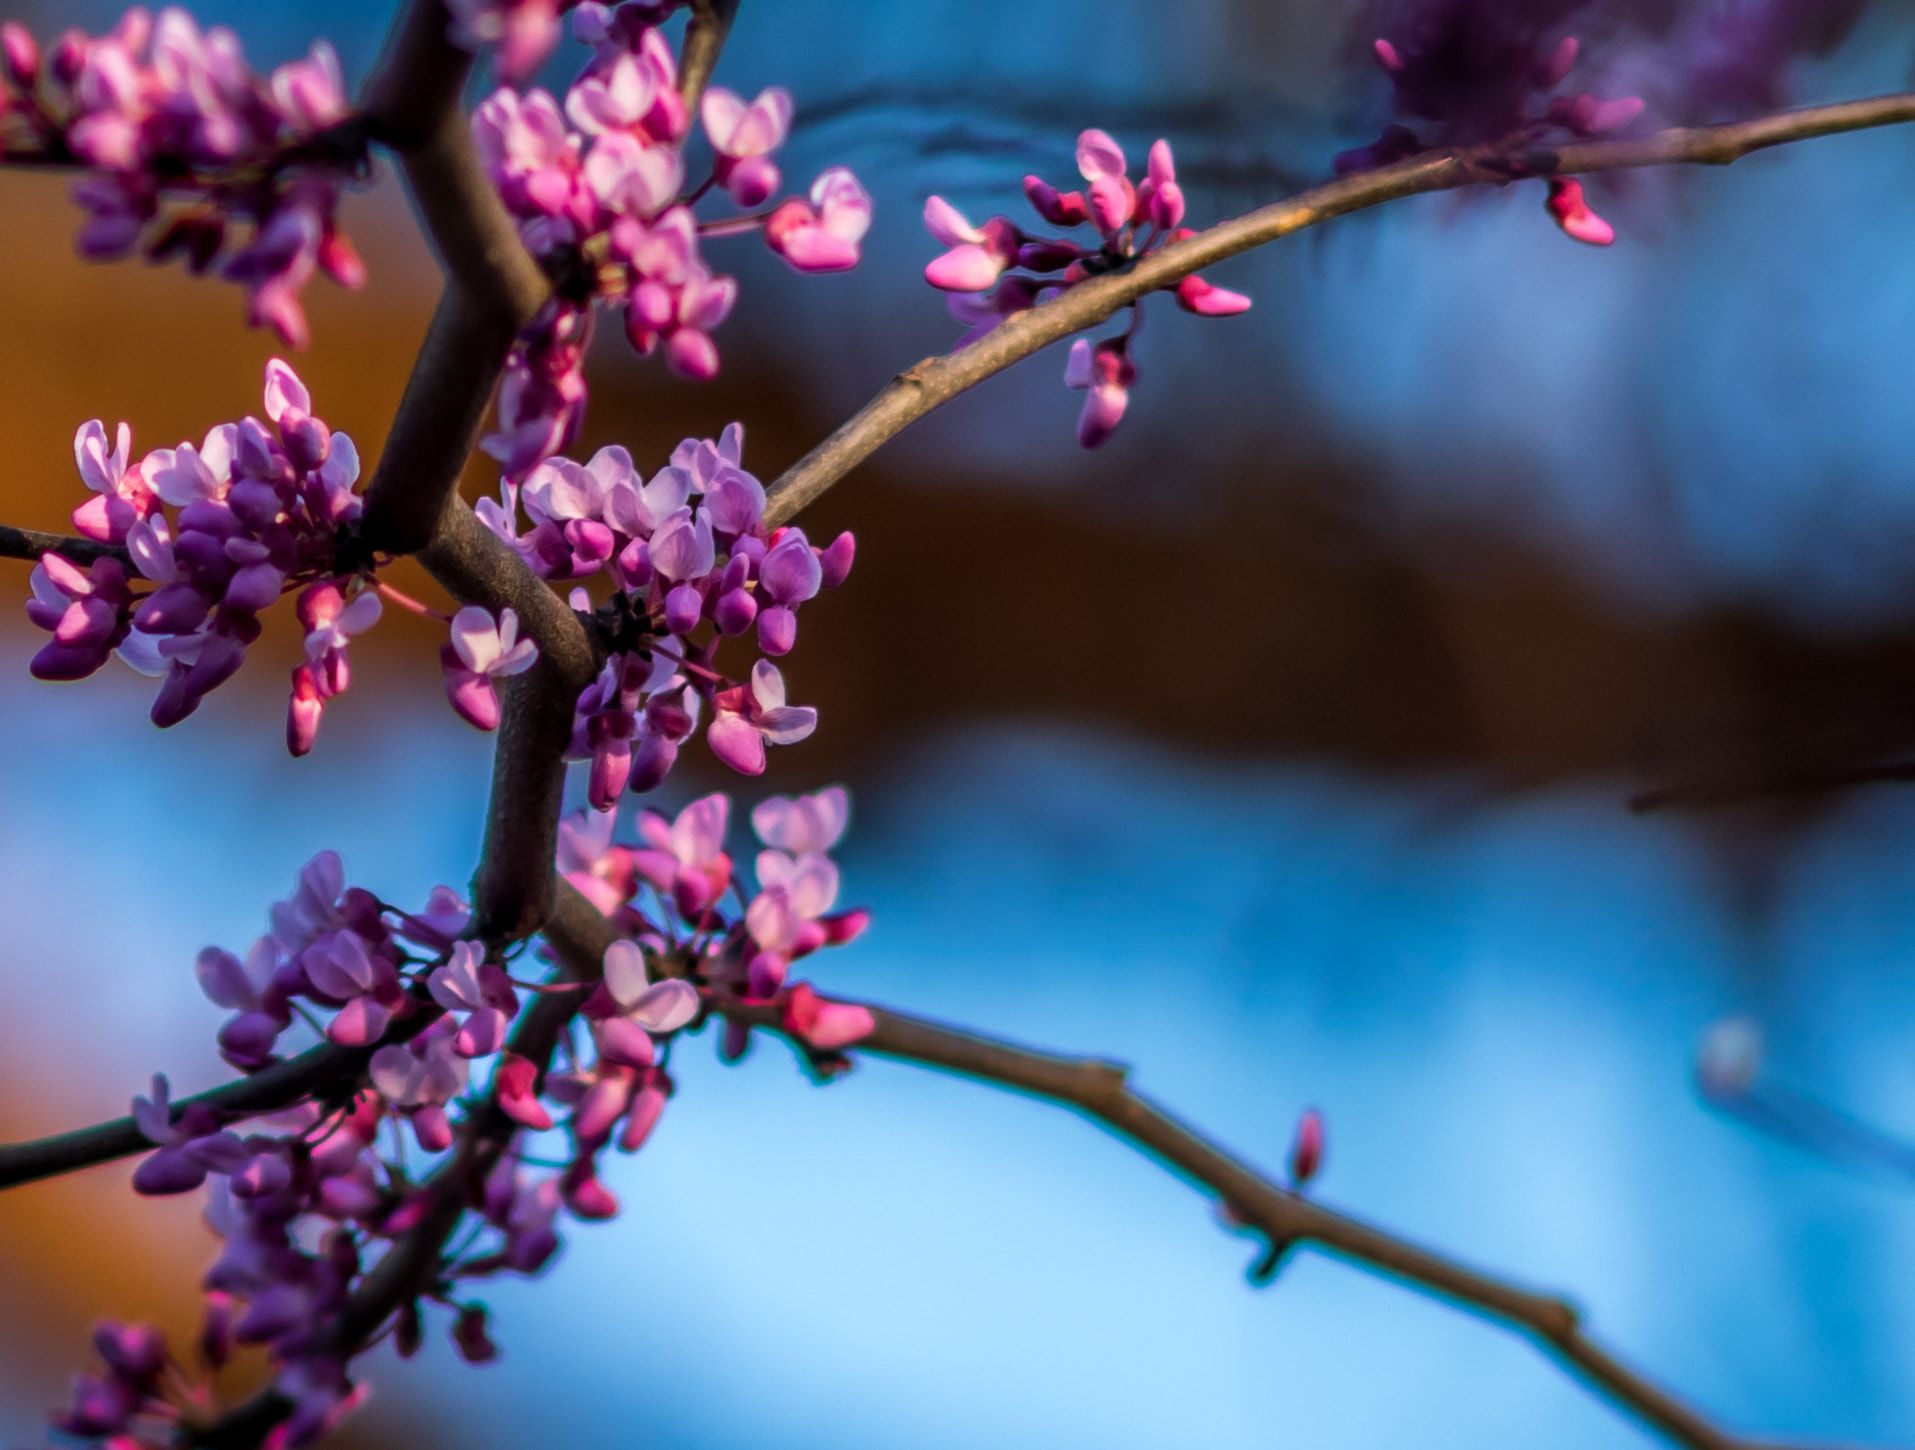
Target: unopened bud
[1306, 1151]
[474, 1344]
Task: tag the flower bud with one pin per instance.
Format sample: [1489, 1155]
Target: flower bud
[21, 54]
[1306, 1151]
[468, 1333]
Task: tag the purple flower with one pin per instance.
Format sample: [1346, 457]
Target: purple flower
[480, 653]
[645, 1009]
[1105, 373]
[824, 235]
[125, 497]
[997, 270]
[88, 614]
[748, 717]
[744, 136]
[805, 825]
[469, 984]
[418, 1078]
[587, 858]
[686, 859]
[250, 989]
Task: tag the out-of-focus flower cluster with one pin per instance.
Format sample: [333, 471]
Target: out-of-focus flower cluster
[257, 513]
[998, 270]
[189, 153]
[691, 564]
[598, 186]
[308, 1202]
[1474, 73]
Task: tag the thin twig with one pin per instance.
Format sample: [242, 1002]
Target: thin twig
[936, 381]
[318, 1071]
[32, 543]
[1100, 1091]
[704, 37]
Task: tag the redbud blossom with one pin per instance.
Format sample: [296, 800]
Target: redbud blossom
[1572, 213]
[1131, 221]
[1306, 1151]
[481, 652]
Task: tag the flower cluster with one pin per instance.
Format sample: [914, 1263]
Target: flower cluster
[307, 1203]
[158, 110]
[1476, 74]
[691, 564]
[257, 512]
[598, 187]
[1131, 221]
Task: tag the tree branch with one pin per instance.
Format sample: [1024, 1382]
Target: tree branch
[704, 37]
[1100, 1091]
[316, 1071]
[936, 381]
[31, 544]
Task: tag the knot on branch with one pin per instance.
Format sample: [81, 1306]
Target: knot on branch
[620, 626]
[1264, 1269]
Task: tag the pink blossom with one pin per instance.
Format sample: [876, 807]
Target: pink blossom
[997, 270]
[748, 717]
[744, 136]
[469, 984]
[824, 235]
[88, 614]
[480, 653]
[514, 1084]
[524, 30]
[1105, 373]
[687, 858]
[124, 497]
[1306, 1151]
[826, 1026]
[418, 1078]
[1572, 213]
[605, 873]
[658, 1007]
[804, 825]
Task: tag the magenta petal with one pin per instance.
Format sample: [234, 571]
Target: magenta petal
[966, 268]
[734, 740]
[623, 1041]
[359, 1022]
[170, 1170]
[482, 1035]
[474, 697]
[840, 1024]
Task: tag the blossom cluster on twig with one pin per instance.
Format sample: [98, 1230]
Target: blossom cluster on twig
[692, 565]
[598, 187]
[259, 511]
[1472, 74]
[189, 153]
[998, 270]
[308, 1202]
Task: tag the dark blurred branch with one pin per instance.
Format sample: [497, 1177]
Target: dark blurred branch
[1100, 1091]
[704, 37]
[1814, 1126]
[1740, 789]
[317, 1072]
[31, 544]
[936, 381]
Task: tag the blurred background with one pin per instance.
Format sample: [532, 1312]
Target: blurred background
[1281, 748]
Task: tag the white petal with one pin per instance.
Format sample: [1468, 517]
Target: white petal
[625, 975]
